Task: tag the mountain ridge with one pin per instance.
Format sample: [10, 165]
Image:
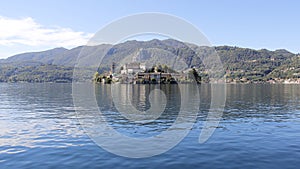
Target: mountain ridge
[239, 63]
[49, 56]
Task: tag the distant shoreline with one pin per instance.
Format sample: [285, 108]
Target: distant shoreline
[241, 65]
[238, 83]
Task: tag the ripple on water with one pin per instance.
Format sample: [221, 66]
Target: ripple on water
[39, 129]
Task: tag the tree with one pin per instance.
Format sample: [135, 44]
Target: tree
[97, 77]
[194, 76]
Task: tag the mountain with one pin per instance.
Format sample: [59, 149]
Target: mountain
[254, 65]
[42, 57]
[57, 56]
[239, 63]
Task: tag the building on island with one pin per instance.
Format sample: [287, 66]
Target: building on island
[137, 73]
[133, 68]
[153, 77]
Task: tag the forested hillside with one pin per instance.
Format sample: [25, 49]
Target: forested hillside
[240, 64]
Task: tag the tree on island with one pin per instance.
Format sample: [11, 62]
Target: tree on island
[194, 76]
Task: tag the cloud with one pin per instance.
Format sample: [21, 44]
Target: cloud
[26, 31]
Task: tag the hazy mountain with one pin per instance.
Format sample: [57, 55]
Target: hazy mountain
[43, 57]
[145, 50]
[238, 62]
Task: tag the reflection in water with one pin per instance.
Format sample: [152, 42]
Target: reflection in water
[260, 128]
[267, 102]
[138, 97]
[243, 103]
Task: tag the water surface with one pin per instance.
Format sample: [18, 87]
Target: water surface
[260, 128]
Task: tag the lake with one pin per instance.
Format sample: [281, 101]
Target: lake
[260, 128]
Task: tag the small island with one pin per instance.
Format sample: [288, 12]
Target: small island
[137, 73]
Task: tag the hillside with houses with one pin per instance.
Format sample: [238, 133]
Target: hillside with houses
[241, 65]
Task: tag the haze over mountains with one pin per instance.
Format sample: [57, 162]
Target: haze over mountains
[56, 64]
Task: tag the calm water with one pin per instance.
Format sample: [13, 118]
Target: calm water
[260, 128]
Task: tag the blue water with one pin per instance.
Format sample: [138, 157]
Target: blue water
[260, 128]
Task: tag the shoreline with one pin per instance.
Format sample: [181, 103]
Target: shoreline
[238, 83]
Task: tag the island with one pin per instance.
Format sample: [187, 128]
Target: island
[137, 73]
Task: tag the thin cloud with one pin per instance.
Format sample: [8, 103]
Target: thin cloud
[26, 31]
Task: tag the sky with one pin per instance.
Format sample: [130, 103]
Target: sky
[35, 25]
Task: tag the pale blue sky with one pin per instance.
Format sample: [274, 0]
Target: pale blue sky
[255, 24]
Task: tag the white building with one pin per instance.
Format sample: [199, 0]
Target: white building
[133, 68]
